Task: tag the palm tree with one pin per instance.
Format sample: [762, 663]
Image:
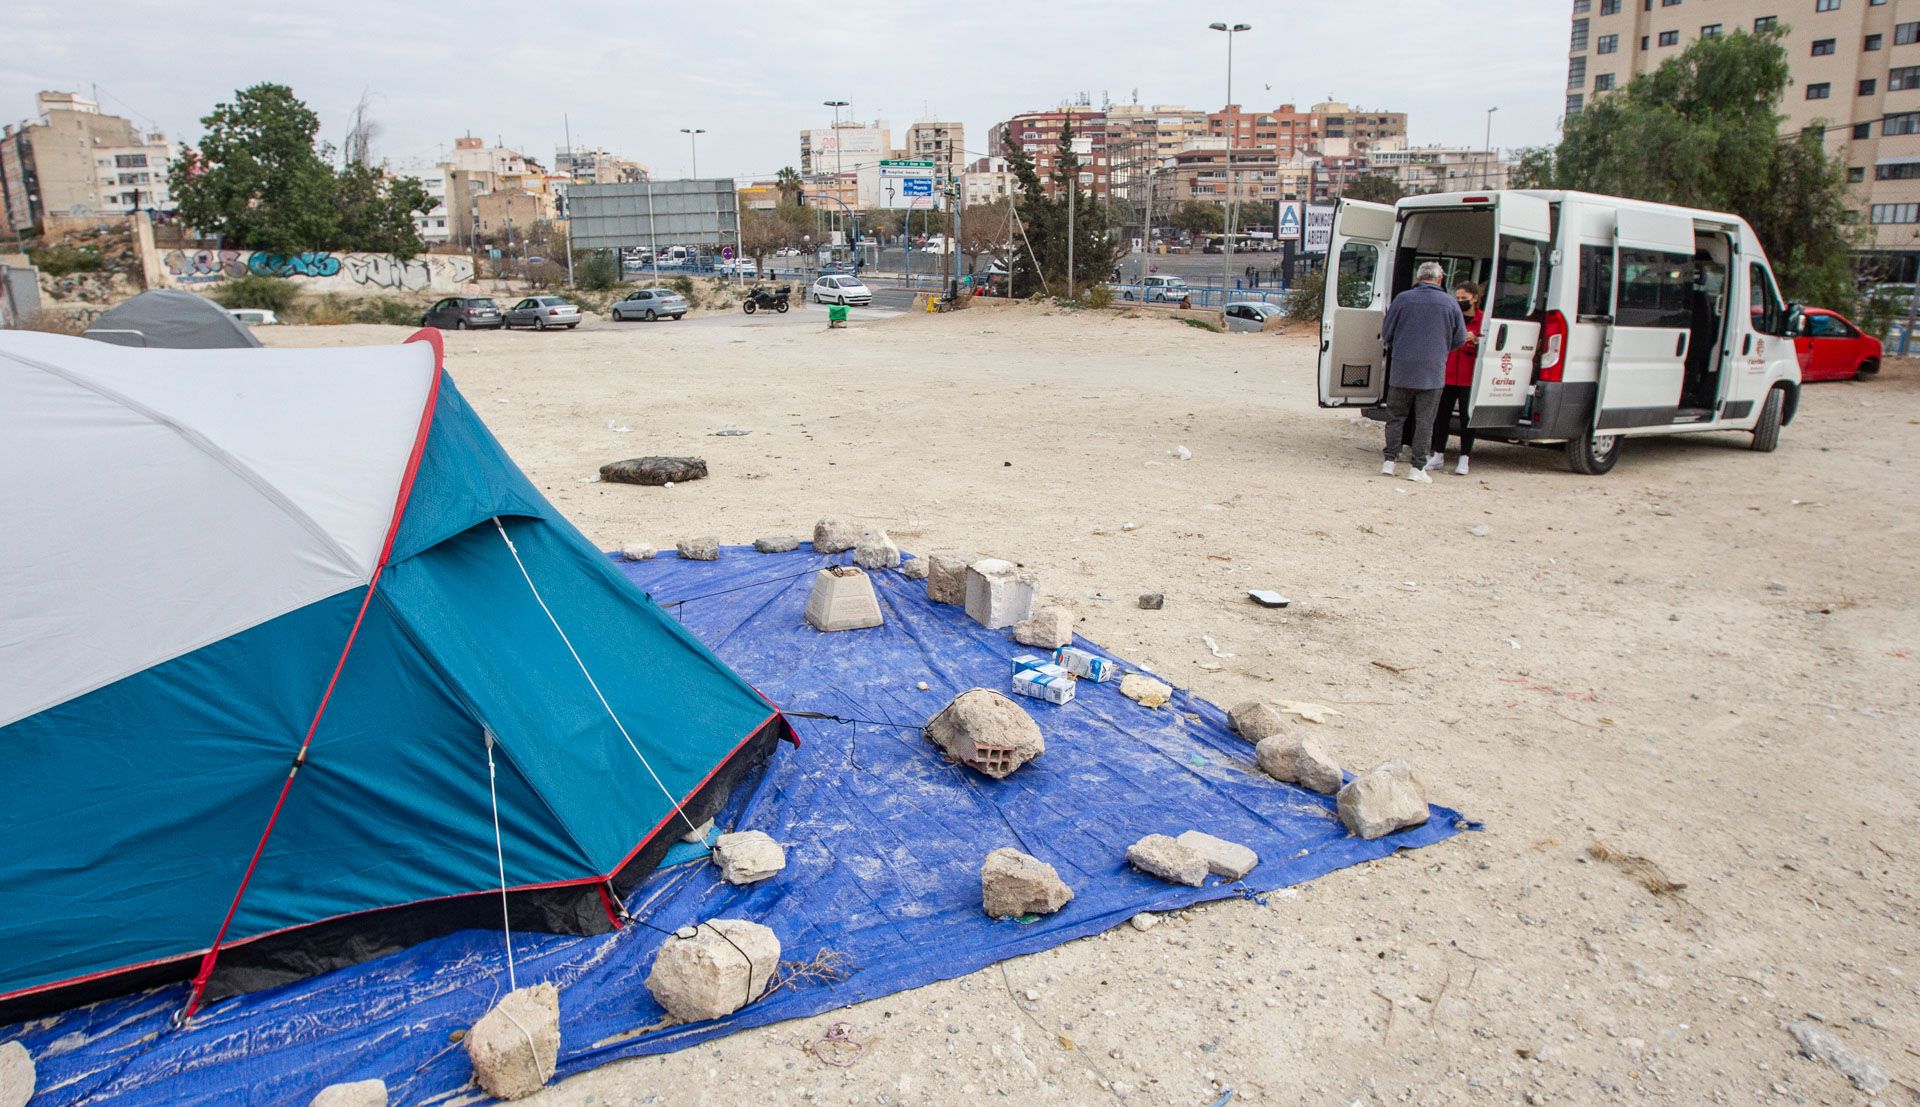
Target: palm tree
[788, 182]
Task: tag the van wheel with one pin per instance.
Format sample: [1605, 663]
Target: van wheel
[1766, 432]
[1591, 455]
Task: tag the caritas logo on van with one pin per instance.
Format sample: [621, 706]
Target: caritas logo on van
[1503, 382]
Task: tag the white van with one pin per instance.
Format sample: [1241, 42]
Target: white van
[1605, 318]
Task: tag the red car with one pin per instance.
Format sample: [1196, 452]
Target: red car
[1831, 348]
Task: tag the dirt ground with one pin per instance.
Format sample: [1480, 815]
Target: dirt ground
[1707, 658]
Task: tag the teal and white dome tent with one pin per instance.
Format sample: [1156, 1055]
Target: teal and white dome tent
[297, 668]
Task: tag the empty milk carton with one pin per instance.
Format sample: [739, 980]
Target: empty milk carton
[1027, 661]
[1044, 682]
[1087, 666]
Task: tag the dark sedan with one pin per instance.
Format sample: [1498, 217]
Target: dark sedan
[461, 313]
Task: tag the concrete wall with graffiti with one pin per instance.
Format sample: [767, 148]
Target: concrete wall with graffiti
[321, 271]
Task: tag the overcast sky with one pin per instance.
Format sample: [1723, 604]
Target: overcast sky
[630, 75]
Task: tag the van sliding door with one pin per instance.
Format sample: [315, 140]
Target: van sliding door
[1352, 364]
[1515, 300]
[1644, 363]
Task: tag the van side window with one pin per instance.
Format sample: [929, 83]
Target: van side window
[1519, 279]
[1596, 282]
[1769, 317]
[1359, 261]
[1653, 289]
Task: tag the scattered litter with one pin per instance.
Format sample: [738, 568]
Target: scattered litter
[1479, 530]
[594, 479]
[1129, 525]
[1411, 586]
[1642, 869]
[1213, 646]
[1394, 668]
[1045, 681]
[835, 1047]
[618, 429]
[1152, 601]
[501, 400]
[1514, 642]
[1267, 597]
[1183, 453]
[922, 686]
[736, 432]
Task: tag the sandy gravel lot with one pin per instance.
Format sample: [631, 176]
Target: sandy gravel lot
[1708, 658]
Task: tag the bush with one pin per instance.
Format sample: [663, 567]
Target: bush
[333, 309]
[1880, 310]
[1304, 298]
[683, 285]
[1100, 297]
[62, 259]
[262, 293]
[596, 271]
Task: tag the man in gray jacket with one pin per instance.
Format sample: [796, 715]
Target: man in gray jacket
[1422, 326]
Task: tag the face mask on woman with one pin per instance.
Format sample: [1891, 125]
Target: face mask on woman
[1466, 307]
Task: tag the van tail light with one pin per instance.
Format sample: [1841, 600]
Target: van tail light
[1551, 362]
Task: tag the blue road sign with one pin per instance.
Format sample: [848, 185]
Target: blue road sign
[917, 186]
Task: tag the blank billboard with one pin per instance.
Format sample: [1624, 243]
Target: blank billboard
[612, 216]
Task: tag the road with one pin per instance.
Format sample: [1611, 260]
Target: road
[887, 303]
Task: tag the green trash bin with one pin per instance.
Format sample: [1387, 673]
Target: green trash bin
[837, 315]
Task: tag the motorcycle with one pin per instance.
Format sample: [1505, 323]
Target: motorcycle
[762, 298]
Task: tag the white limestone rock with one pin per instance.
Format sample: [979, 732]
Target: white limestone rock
[514, 1046]
[1298, 761]
[699, 549]
[1014, 884]
[1256, 719]
[1227, 859]
[747, 856]
[1144, 690]
[637, 551]
[776, 544]
[999, 594]
[986, 731]
[914, 569]
[360, 1093]
[1048, 628]
[16, 1075]
[1382, 800]
[876, 551]
[1169, 859]
[947, 577]
[724, 966]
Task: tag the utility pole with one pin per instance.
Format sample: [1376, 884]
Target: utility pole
[953, 229]
[653, 237]
[1073, 190]
[838, 167]
[1226, 279]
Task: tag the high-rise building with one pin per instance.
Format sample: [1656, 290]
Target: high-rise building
[1856, 76]
[1344, 131]
[942, 143]
[844, 161]
[590, 165]
[1037, 134]
[74, 160]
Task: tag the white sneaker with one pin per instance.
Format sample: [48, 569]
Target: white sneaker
[1435, 461]
[1460, 470]
[1386, 468]
[1419, 476]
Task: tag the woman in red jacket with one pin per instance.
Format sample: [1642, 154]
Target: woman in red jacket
[1459, 383]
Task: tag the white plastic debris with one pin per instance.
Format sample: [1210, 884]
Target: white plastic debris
[1183, 453]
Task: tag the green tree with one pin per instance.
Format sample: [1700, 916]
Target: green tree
[376, 211]
[1375, 188]
[1703, 131]
[1198, 217]
[256, 179]
[1040, 258]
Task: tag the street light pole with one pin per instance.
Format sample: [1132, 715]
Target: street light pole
[838, 169]
[1226, 272]
[1487, 151]
[693, 148]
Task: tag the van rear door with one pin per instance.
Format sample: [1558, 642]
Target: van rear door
[1643, 365]
[1516, 301]
[1352, 364]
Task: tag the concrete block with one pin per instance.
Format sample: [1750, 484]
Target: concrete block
[1170, 860]
[876, 551]
[722, 967]
[915, 569]
[842, 599]
[987, 731]
[1228, 859]
[514, 1046]
[947, 577]
[1049, 628]
[1298, 761]
[999, 594]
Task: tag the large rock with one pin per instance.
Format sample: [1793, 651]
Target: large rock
[1049, 628]
[1144, 690]
[947, 577]
[654, 470]
[776, 544]
[747, 856]
[1169, 859]
[835, 536]
[360, 1093]
[1256, 719]
[914, 569]
[1383, 800]
[1298, 761]
[1014, 884]
[514, 1046]
[723, 967]
[842, 599]
[999, 594]
[1229, 859]
[637, 551]
[987, 731]
[699, 549]
[876, 551]
[16, 1075]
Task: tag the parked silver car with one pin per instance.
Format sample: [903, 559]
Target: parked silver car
[461, 312]
[541, 312]
[1250, 315]
[650, 304]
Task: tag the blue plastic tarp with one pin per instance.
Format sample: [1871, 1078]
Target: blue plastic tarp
[884, 841]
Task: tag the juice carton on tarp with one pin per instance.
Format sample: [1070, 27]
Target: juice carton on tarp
[1044, 682]
[1085, 665]
[1027, 661]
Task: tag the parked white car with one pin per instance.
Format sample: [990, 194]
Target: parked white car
[739, 267]
[842, 290]
[1250, 315]
[254, 317]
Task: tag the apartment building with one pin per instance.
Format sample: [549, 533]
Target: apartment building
[474, 170]
[432, 225]
[940, 142]
[591, 165]
[1439, 168]
[1284, 130]
[986, 180]
[1856, 76]
[1038, 135]
[1343, 130]
[73, 159]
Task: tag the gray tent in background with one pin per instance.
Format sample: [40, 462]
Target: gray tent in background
[168, 319]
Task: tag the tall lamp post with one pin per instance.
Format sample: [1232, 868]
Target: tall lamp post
[836, 105]
[693, 138]
[1487, 181]
[1226, 272]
